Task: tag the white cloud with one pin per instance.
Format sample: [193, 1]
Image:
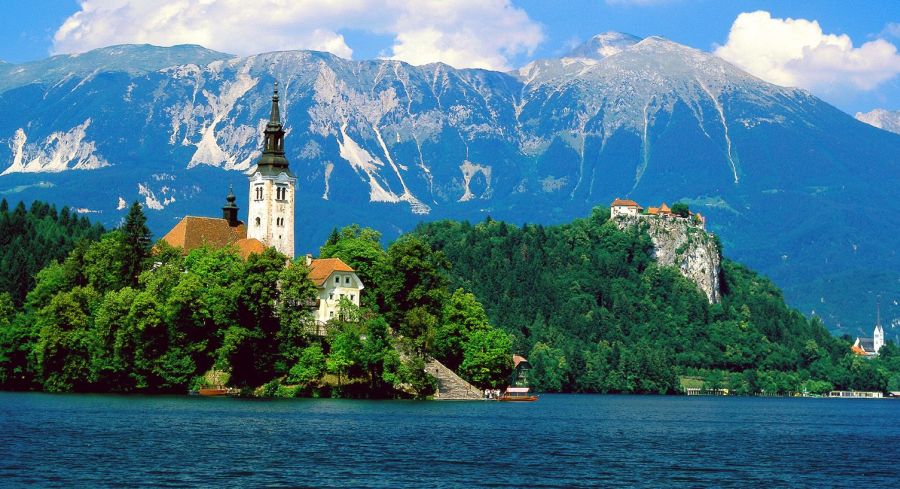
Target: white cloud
[462, 33]
[795, 52]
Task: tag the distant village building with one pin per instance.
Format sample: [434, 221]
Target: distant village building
[270, 224]
[869, 347]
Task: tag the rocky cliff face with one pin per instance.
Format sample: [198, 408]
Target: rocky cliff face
[680, 243]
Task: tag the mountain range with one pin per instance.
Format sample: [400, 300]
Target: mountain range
[794, 187]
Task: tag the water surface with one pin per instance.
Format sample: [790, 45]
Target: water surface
[559, 441]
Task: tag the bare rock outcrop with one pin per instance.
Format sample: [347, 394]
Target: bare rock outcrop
[682, 243]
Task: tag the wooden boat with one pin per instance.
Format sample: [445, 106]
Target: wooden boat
[517, 394]
[213, 392]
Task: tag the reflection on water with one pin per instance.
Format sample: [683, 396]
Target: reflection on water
[559, 441]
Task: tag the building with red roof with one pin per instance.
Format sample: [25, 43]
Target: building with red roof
[624, 207]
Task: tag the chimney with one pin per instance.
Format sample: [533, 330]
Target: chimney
[309, 259]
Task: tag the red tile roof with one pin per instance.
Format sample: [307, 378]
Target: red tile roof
[249, 246]
[322, 268]
[193, 232]
[517, 359]
[625, 203]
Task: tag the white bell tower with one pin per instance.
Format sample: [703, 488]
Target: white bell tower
[878, 335]
[272, 190]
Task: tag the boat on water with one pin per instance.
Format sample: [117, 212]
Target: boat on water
[517, 394]
[213, 392]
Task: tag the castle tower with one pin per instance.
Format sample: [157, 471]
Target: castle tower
[272, 190]
[878, 335]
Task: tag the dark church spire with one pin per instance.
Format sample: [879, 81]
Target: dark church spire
[230, 209]
[275, 116]
[272, 159]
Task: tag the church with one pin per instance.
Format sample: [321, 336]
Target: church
[868, 347]
[270, 223]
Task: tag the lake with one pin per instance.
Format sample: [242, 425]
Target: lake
[559, 441]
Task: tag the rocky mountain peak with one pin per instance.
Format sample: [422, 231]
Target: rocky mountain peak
[603, 45]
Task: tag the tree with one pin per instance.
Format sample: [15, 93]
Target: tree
[105, 264]
[548, 368]
[310, 365]
[298, 298]
[65, 345]
[487, 358]
[414, 285]
[681, 209]
[345, 347]
[462, 316]
[136, 244]
[253, 352]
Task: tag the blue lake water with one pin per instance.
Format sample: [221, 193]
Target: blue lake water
[559, 441]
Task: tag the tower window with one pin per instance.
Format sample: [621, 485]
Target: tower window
[259, 193]
[257, 221]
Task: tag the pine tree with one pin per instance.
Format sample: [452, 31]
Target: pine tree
[136, 244]
[333, 238]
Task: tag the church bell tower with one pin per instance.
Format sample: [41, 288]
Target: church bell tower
[272, 190]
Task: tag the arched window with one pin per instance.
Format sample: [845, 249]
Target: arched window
[257, 221]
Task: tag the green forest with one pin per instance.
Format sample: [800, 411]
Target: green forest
[587, 305]
[120, 314]
[584, 301]
[31, 238]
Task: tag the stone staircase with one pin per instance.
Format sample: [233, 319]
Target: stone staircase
[450, 387]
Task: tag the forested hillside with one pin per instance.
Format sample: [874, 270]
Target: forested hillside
[32, 238]
[594, 313]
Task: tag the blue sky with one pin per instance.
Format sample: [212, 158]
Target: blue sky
[494, 33]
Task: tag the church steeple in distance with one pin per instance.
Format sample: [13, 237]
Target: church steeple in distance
[273, 159]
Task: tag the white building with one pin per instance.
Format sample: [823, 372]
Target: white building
[272, 190]
[335, 280]
[624, 207]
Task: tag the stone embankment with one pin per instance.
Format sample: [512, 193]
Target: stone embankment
[679, 242]
[451, 387]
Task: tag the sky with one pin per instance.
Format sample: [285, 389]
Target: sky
[845, 52]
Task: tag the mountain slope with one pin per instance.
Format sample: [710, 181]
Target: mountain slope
[794, 187]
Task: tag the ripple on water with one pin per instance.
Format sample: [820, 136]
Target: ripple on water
[560, 441]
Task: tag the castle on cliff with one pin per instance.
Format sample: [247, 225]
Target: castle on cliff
[625, 207]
